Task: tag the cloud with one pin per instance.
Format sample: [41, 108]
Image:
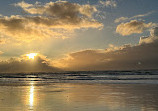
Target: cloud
[39, 64]
[126, 57]
[41, 27]
[2, 41]
[153, 36]
[23, 4]
[1, 52]
[133, 26]
[121, 19]
[53, 19]
[61, 9]
[154, 32]
[108, 3]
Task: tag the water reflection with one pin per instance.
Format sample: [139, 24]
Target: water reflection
[31, 95]
[79, 97]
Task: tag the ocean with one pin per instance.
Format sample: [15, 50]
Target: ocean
[135, 90]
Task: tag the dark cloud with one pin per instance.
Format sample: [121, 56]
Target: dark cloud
[39, 64]
[61, 9]
[127, 57]
[53, 19]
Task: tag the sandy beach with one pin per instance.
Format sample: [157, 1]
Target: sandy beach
[78, 97]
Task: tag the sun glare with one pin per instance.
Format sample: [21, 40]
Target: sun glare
[31, 55]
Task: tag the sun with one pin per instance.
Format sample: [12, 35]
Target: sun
[31, 55]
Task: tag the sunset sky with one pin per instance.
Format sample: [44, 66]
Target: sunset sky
[78, 35]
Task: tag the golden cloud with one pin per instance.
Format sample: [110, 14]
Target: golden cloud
[62, 9]
[121, 19]
[53, 19]
[127, 57]
[133, 26]
[149, 39]
[2, 41]
[39, 64]
[1, 52]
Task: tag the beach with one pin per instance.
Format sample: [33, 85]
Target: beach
[39, 95]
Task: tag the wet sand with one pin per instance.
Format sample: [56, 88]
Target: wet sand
[78, 97]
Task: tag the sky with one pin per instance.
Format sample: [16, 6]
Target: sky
[78, 35]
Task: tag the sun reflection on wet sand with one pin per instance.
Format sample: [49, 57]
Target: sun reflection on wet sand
[31, 95]
[80, 97]
[31, 99]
